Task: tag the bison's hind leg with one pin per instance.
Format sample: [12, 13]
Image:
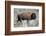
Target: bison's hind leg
[19, 18]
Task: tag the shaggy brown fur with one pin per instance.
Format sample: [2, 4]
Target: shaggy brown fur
[26, 16]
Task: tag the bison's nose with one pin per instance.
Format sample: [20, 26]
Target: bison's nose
[33, 16]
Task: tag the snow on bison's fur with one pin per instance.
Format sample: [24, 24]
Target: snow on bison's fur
[26, 16]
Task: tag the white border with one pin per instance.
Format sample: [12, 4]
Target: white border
[29, 28]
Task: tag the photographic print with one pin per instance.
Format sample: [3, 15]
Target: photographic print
[24, 17]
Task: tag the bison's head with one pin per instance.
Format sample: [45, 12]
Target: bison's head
[33, 16]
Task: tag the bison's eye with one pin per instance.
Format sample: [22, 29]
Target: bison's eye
[33, 16]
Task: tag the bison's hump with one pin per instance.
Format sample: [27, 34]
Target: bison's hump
[25, 14]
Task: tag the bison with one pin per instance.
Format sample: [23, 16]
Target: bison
[26, 16]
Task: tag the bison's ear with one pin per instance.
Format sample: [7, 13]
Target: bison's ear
[33, 16]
